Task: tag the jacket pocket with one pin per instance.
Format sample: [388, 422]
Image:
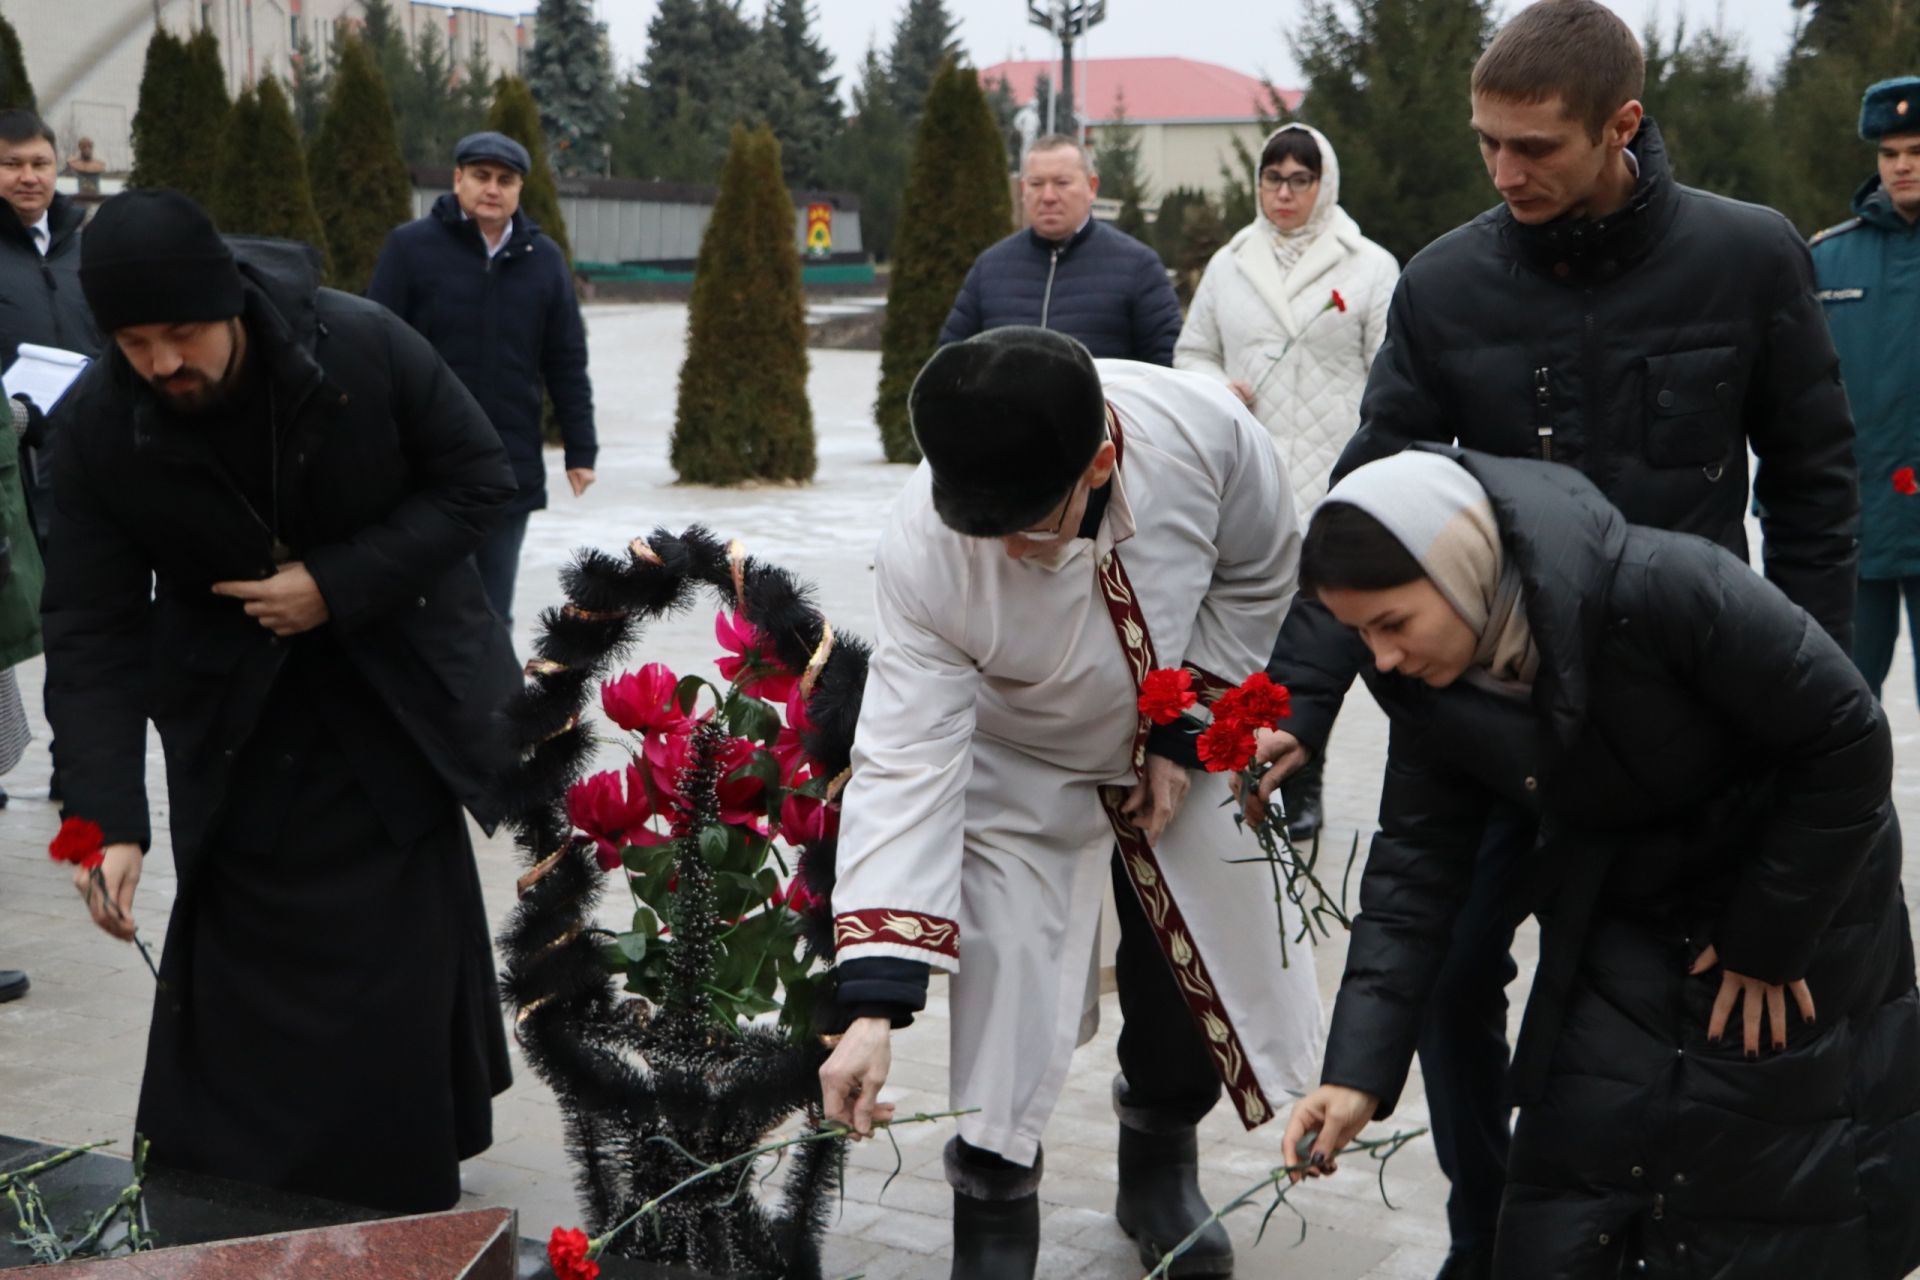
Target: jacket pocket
[1689, 407]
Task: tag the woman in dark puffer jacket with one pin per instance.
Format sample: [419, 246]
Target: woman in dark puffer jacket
[1719, 1070]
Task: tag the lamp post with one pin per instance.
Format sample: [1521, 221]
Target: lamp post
[1067, 21]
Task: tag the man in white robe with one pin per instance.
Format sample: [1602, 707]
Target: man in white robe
[1075, 525]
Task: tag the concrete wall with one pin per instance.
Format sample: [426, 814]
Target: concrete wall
[86, 56]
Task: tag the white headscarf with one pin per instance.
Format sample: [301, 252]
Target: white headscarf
[1288, 246]
[1441, 515]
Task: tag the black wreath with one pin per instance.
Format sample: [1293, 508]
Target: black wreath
[649, 1094]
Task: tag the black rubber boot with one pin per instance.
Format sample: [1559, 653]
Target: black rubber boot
[996, 1215]
[1301, 794]
[1160, 1202]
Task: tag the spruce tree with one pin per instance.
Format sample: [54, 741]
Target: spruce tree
[1170, 222]
[1817, 104]
[1117, 160]
[1703, 93]
[871, 158]
[813, 117]
[1388, 88]
[571, 72]
[360, 184]
[923, 41]
[157, 142]
[16, 90]
[743, 412]
[515, 115]
[263, 188]
[957, 204]
[311, 81]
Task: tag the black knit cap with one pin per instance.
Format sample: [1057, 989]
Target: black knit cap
[1008, 421]
[154, 257]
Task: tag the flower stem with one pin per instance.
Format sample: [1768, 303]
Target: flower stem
[51, 1162]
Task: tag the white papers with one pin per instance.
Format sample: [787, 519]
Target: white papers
[43, 374]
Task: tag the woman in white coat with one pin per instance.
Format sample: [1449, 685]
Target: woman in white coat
[1265, 321]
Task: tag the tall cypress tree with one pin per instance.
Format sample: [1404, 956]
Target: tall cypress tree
[743, 412]
[202, 117]
[515, 115]
[263, 188]
[957, 203]
[157, 142]
[571, 73]
[360, 183]
[16, 90]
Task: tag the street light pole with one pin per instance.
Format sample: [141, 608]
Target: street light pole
[1067, 21]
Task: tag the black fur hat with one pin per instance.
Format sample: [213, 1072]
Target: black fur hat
[1008, 420]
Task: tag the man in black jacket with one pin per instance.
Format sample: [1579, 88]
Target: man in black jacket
[1069, 271]
[267, 499]
[40, 300]
[495, 298]
[1605, 317]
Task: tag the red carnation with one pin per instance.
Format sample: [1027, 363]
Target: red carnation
[567, 1254]
[1264, 703]
[1164, 694]
[1903, 482]
[78, 841]
[1226, 746]
[1339, 303]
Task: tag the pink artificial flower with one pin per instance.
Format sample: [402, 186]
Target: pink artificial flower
[743, 640]
[612, 815]
[795, 896]
[787, 747]
[642, 701]
[666, 759]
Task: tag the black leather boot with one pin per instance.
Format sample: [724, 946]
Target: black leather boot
[1301, 794]
[1160, 1202]
[996, 1215]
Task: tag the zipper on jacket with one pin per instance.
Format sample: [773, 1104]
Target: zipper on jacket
[1543, 413]
[1046, 299]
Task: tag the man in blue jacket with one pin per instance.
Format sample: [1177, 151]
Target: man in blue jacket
[495, 298]
[1869, 275]
[1068, 271]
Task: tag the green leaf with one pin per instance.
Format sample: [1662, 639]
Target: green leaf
[713, 844]
[687, 692]
[752, 718]
[634, 945]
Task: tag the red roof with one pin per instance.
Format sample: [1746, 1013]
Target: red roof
[1156, 89]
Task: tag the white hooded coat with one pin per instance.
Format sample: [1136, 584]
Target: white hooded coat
[1249, 306]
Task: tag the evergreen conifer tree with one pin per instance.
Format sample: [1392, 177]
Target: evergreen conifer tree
[1378, 86]
[813, 117]
[676, 111]
[202, 118]
[571, 72]
[16, 90]
[1817, 103]
[1117, 159]
[1702, 91]
[871, 158]
[957, 204]
[923, 41]
[1000, 97]
[743, 412]
[263, 188]
[311, 80]
[360, 183]
[1170, 223]
[157, 143]
[515, 115]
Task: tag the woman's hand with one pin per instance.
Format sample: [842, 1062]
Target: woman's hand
[1243, 390]
[851, 1079]
[1287, 757]
[1754, 996]
[109, 888]
[1331, 1115]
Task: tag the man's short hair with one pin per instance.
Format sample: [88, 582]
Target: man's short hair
[17, 125]
[1063, 142]
[1577, 50]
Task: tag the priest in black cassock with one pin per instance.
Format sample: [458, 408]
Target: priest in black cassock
[267, 497]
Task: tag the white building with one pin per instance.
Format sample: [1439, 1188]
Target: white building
[85, 56]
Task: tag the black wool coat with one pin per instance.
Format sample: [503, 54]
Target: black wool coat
[1708, 768]
[388, 475]
[1655, 347]
[1101, 287]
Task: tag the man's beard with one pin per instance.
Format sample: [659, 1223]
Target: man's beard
[190, 391]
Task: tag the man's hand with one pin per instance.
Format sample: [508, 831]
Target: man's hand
[286, 604]
[850, 1080]
[1244, 391]
[1156, 798]
[120, 874]
[1331, 1115]
[1279, 749]
[579, 478]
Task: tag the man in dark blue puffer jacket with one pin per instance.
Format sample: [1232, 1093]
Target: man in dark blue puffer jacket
[1069, 272]
[495, 298]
